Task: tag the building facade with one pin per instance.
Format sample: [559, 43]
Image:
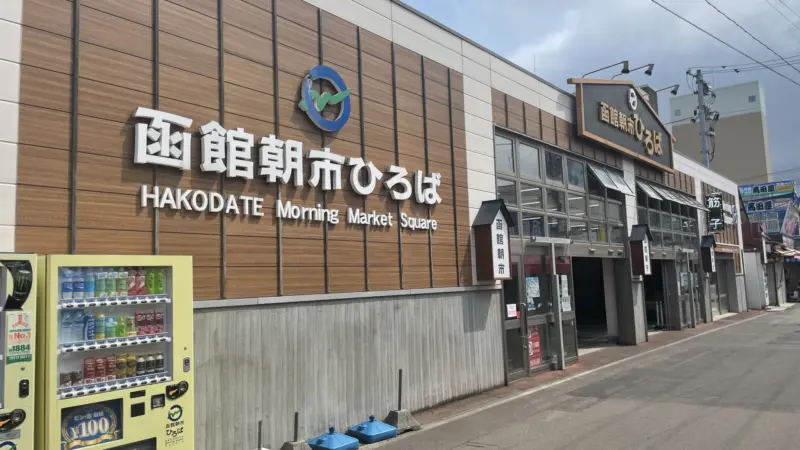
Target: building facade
[333, 246]
[742, 138]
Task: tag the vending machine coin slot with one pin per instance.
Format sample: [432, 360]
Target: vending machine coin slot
[137, 394]
[187, 364]
[24, 388]
[12, 420]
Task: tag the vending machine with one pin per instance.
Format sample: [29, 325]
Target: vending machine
[116, 362]
[17, 372]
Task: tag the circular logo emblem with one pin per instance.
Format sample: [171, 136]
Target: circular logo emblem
[633, 99]
[175, 413]
[8, 445]
[314, 103]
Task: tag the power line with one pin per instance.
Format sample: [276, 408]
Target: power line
[790, 9]
[748, 69]
[725, 43]
[726, 66]
[751, 35]
[781, 13]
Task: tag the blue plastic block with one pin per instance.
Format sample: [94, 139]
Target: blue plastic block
[333, 441]
[372, 431]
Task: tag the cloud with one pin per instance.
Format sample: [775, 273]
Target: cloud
[572, 37]
[552, 43]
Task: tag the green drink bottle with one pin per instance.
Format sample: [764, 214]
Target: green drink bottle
[151, 280]
[161, 281]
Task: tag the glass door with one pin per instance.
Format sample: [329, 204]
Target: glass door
[514, 323]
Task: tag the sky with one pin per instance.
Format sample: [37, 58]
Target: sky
[567, 38]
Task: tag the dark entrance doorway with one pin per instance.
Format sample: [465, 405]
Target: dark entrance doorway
[590, 302]
[655, 297]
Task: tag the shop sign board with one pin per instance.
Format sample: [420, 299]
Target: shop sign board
[492, 250]
[616, 114]
[764, 190]
[715, 214]
[639, 242]
[163, 142]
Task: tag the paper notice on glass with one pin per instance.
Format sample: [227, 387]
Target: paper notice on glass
[566, 305]
[564, 285]
[532, 287]
[511, 310]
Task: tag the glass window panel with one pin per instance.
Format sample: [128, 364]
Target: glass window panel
[576, 174]
[555, 201]
[654, 204]
[687, 242]
[554, 166]
[615, 195]
[641, 198]
[531, 196]
[557, 227]
[532, 224]
[676, 223]
[656, 238]
[615, 211]
[595, 186]
[597, 209]
[504, 154]
[507, 190]
[514, 231]
[655, 220]
[577, 205]
[597, 231]
[578, 231]
[642, 215]
[616, 234]
[666, 240]
[529, 161]
[666, 222]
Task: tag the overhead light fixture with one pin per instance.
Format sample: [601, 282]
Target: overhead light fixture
[625, 68]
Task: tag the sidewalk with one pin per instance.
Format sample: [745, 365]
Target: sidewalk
[585, 363]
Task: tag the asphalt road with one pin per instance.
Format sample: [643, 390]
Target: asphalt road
[735, 388]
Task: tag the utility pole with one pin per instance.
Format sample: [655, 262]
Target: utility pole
[702, 112]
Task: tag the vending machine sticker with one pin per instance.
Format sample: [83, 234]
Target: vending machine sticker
[19, 338]
[84, 426]
[174, 426]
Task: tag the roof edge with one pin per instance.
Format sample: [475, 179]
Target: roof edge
[422, 15]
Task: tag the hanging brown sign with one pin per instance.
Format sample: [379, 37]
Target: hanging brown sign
[617, 114]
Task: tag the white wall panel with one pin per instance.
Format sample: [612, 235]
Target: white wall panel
[479, 126]
[480, 163]
[382, 7]
[477, 107]
[11, 38]
[11, 10]
[476, 197]
[478, 89]
[7, 239]
[512, 73]
[8, 165]
[425, 28]
[8, 204]
[477, 71]
[480, 144]
[427, 47]
[358, 14]
[481, 181]
[9, 81]
[9, 122]
[472, 52]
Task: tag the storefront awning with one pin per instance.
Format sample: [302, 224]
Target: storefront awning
[611, 180]
[668, 195]
[649, 190]
[691, 201]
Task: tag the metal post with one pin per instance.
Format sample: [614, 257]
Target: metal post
[555, 295]
[400, 391]
[296, 426]
[260, 434]
[702, 113]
